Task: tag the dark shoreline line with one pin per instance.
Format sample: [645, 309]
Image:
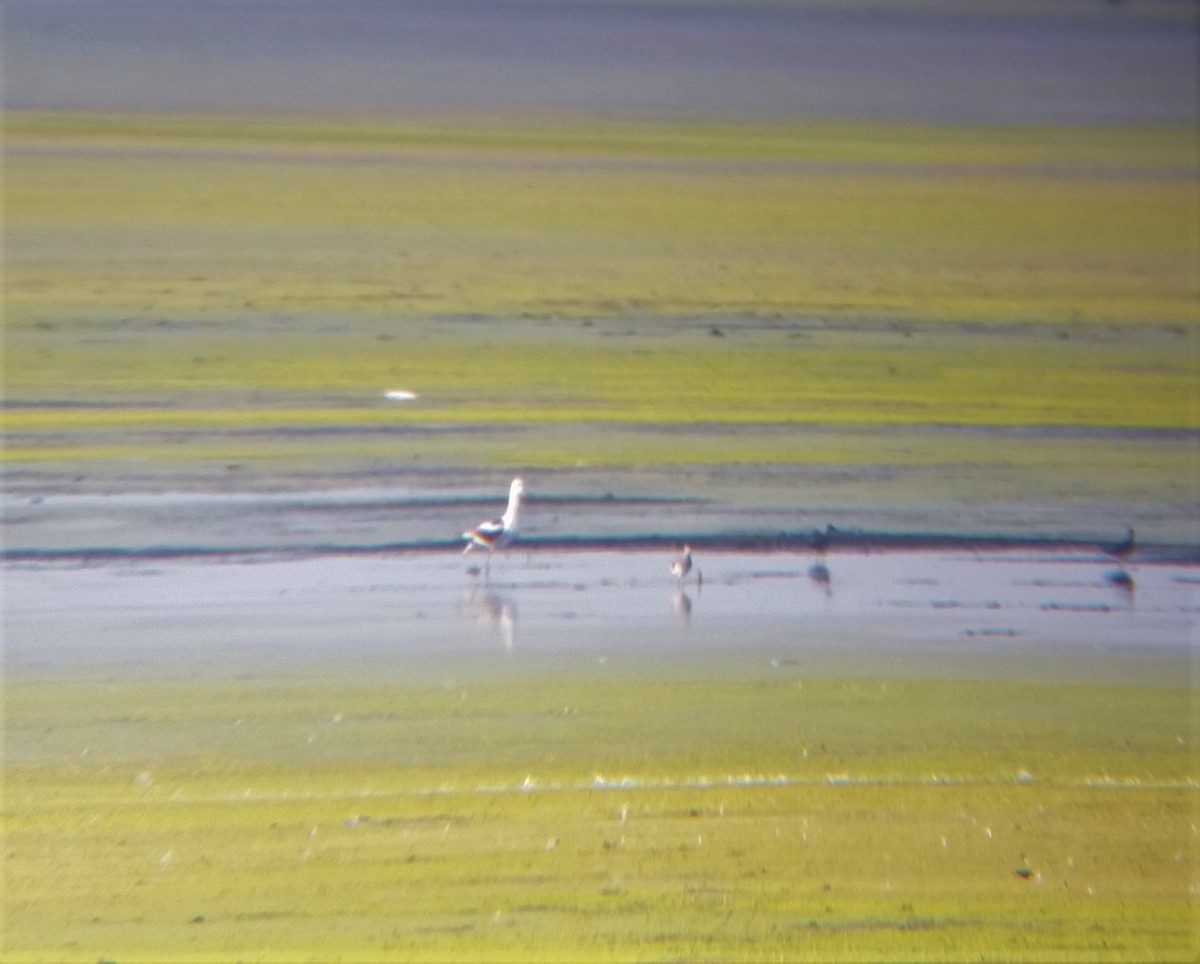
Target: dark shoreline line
[797, 542]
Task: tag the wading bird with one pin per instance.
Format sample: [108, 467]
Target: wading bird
[497, 532]
[681, 565]
[1124, 549]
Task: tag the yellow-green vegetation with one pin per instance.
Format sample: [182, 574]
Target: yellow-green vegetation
[865, 466]
[837, 377]
[683, 398]
[611, 813]
[187, 215]
[209, 275]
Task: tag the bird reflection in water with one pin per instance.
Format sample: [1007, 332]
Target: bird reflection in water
[681, 607]
[819, 573]
[1120, 579]
[489, 608]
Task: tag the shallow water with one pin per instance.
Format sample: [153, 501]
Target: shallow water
[892, 612]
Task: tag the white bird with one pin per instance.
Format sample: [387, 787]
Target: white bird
[497, 532]
[399, 395]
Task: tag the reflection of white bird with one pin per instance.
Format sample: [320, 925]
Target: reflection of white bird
[681, 606]
[497, 532]
[496, 610]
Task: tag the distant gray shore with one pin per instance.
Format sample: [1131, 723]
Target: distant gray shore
[1077, 61]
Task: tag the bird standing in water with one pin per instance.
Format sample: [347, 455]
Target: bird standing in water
[681, 566]
[1124, 549]
[494, 533]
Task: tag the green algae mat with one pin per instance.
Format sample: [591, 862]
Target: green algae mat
[605, 813]
[188, 279]
[571, 219]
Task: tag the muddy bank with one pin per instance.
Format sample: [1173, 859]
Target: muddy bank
[213, 524]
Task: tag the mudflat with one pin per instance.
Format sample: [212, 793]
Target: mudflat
[901, 343]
